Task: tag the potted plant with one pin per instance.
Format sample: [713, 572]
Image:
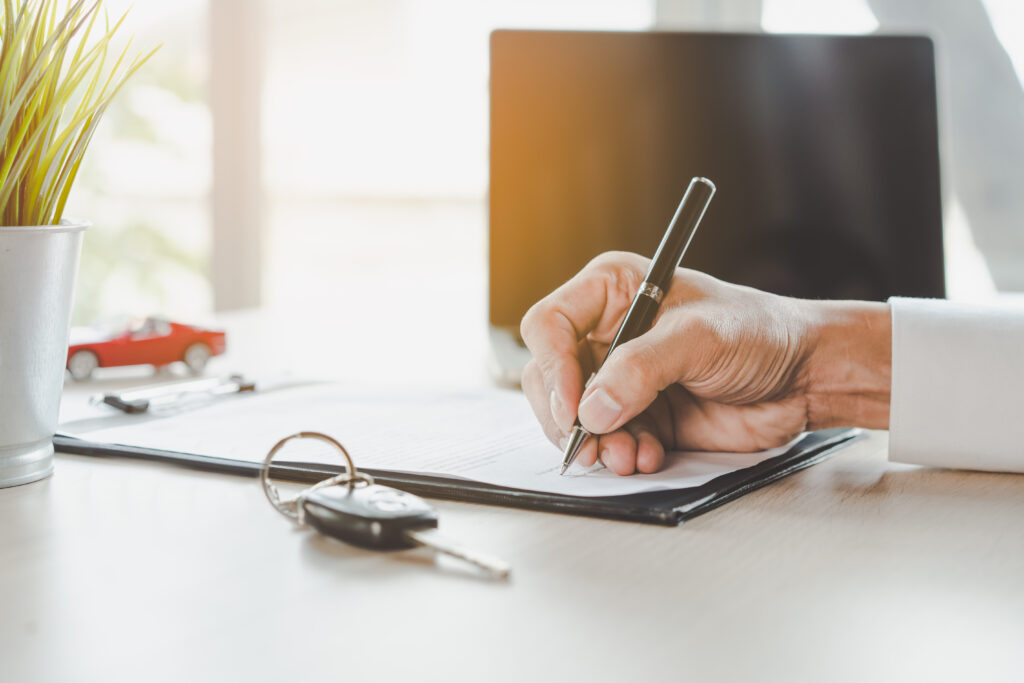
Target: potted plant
[54, 88]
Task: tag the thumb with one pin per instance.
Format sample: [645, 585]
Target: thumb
[631, 378]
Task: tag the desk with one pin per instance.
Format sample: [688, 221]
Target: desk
[853, 570]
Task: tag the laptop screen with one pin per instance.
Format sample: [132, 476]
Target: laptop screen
[824, 150]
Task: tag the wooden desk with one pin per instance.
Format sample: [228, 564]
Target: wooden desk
[853, 570]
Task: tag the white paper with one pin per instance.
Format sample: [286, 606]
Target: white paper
[489, 436]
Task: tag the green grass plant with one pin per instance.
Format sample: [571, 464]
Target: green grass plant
[54, 88]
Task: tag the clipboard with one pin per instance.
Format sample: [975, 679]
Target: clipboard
[670, 508]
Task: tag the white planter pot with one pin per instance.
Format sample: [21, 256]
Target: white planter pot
[38, 266]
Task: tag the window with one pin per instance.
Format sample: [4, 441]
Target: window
[146, 176]
[375, 139]
[372, 146]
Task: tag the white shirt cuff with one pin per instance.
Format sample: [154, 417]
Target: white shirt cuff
[957, 379]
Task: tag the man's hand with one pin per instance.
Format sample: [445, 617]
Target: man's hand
[723, 367]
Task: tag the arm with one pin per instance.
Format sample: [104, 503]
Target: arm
[730, 368]
[850, 368]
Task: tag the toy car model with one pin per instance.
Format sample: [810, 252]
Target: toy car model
[156, 341]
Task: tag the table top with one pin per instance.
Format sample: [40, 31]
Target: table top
[854, 569]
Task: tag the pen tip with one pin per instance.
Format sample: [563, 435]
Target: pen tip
[572, 448]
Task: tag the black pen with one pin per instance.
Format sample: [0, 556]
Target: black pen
[659, 276]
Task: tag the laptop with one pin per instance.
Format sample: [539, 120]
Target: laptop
[824, 150]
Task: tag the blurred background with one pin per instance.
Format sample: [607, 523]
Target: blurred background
[309, 154]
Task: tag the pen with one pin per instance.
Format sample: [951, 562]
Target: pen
[162, 395]
[659, 276]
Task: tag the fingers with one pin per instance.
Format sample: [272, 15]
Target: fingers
[552, 329]
[593, 300]
[588, 453]
[618, 451]
[634, 448]
[650, 451]
[533, 387]
[634, 373]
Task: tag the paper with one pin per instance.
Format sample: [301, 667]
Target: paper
[489, 436]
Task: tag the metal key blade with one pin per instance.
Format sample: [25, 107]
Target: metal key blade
[494, 567]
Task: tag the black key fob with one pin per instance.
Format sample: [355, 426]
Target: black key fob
[375, 517]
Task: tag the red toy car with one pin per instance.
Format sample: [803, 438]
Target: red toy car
[155, 341]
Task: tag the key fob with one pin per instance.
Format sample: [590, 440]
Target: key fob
[375, 517]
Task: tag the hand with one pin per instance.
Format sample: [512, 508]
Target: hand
[723, 367]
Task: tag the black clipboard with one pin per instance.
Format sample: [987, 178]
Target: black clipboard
[658, 507]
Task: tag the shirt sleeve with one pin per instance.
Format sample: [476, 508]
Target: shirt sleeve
[957, 385]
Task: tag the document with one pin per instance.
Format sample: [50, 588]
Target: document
[487, 435]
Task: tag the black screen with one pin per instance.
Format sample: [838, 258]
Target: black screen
[824, 150]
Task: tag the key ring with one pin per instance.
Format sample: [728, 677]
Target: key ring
[292, 508]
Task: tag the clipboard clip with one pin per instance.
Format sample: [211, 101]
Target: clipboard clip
[173, 394]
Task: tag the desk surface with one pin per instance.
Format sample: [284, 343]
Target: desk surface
[855, 569]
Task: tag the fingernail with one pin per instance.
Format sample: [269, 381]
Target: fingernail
[557, 408]
[563, 442]
[599, 411]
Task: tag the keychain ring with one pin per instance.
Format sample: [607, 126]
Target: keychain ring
[292, 509]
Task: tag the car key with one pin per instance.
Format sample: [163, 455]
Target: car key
[382, 518]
